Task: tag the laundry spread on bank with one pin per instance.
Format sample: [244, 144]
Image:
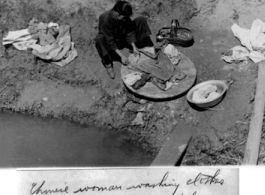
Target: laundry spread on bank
[252, 44]
[48, 41]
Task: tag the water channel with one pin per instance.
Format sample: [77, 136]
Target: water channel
[27, 141]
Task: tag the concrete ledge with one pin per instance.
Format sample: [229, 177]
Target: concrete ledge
[174, 149]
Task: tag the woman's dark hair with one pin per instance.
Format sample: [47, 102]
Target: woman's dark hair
[123, 8]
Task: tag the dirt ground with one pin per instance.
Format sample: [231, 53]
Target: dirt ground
[82, 91]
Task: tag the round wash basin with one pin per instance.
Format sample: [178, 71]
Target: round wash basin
[221, 90]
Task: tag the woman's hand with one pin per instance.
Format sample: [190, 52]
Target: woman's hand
[135, 50]
[124, 60]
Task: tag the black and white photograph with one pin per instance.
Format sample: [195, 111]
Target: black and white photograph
[150, 87]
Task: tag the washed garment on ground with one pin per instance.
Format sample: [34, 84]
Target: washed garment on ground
[21, 39]
[252, 40]
[59, 50]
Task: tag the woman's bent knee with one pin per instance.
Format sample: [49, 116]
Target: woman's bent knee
[99, 38]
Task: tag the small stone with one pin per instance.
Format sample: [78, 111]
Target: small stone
[182, 148]
[45, 99]
[136, 6]
[138, 120]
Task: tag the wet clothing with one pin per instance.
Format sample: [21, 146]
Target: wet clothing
[114, 34]
[142, 81]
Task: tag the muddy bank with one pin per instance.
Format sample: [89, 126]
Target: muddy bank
[82, 92]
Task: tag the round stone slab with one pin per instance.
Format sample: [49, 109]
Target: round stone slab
[149, 90]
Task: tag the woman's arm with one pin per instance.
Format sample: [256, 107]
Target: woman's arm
[135, 50]
[124, 60]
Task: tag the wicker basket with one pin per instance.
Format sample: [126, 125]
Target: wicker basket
[183, 36]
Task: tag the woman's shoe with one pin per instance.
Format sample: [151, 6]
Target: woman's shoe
[110, 72]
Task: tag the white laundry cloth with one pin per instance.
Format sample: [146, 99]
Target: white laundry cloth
[205, 93]
[172, 53]
[239, 54]
[257, 36]
[51, 24]
[256, 56]
[60, 52]
[243, 35]
[24, 45]
[131, 78]
[252, 39]
[20, 36]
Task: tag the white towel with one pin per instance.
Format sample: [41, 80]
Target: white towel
[131, 78]
[51, 24]
[239, 54]
[172, 53]
[19, 36]
[60, 52]
[252, 39]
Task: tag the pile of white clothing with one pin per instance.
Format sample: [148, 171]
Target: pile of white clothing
[57, 49]
[131, 78]
[253, 43]
[21, 39]
[205, 93]
[172, 53]
[239, 54]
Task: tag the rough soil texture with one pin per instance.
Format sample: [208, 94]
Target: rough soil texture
[82, 92]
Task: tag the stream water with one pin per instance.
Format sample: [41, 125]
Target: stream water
[27, 141]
